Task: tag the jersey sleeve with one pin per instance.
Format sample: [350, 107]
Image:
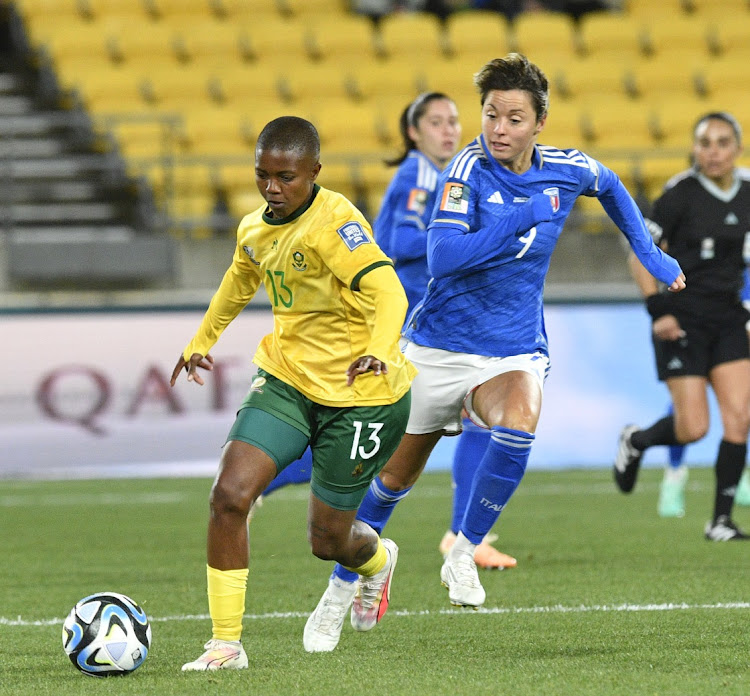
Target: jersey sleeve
[624, 212]
[456, 243]
[401, 231]
[349, 250]
[237, 288]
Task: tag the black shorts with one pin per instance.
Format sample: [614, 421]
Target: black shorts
[711, 339]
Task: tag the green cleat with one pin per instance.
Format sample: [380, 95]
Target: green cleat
[672, 493]
[742, 497]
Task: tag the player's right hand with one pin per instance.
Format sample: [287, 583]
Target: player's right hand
[667, 328]
[191, 366]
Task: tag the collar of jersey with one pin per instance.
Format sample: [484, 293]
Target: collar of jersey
[283, 221]
[536, 158]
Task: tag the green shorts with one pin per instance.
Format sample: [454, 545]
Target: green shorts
[349, 445]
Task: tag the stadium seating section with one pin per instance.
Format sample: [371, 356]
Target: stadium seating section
[186, 85]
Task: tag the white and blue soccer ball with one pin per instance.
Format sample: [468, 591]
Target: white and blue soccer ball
[106, 634]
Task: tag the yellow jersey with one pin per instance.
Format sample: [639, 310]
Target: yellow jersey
[312, 263]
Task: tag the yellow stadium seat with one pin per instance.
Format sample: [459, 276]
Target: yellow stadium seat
[217, 131]
[659, 167]
[584, 77]
[678, 37]
[100, 9]
[245, 201]
[717, 9]
[347, 128]
[661, 76]
[563, 126]
[348, 38]
[177, 88]
[477, 36]
[137, 40]
[376, 82]
[730, 34]
[278, 42]
[453, 77]
[667, 9]
[178, 10]
[546, 38]
[109, 90]
[210, 43]
[310, 81]
[68, 38]
[241, 86]
[616, 123]
[311, 8]
[604, 33]
[412, 36]
[33, 9]
[149, 136]
[675, 118]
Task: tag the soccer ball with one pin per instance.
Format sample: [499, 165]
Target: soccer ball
[106, 634]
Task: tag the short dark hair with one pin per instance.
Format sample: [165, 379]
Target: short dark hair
[290, 133]
[721, 116]
[515, 71]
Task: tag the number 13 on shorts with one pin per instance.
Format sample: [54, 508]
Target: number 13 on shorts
[370, 434]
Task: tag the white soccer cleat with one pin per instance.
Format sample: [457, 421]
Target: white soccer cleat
[323, 627]
[459, 575]
[220, 654]
[374, 594]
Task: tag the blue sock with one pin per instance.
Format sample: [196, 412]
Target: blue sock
[297, 472]
[676, 452]
[469, 451]
[495, 480]
[375, 509]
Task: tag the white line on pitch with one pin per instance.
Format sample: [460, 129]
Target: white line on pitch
[554, 609]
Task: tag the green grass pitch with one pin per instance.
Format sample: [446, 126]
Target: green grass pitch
[607, 598]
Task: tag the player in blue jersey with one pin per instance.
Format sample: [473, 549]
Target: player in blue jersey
[431, 132]
[478, 337]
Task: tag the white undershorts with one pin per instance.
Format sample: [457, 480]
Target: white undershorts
[447, 380]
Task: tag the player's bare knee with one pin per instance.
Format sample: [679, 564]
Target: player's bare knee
[228, 499]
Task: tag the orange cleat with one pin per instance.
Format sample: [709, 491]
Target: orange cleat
[485, 555]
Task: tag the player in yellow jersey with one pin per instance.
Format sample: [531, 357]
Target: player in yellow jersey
[331, 376]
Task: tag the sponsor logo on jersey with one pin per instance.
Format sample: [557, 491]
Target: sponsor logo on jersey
[358, 470]
[496, 198]
[258, 384]
[417, 201]
[249, 251]
[554, 197]
[520, 199]
[298, 260]
[455, 198]
[731, 219]
[353, 235]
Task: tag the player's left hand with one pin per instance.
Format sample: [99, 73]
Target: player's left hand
[191, 366]
[679, 283]
[367, 363]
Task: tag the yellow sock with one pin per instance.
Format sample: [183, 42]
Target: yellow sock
[226, 601]
[375, 564]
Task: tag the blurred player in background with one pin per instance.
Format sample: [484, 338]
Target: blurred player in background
[334, 296]
[478, 337]
[700, 336]
[431, 134]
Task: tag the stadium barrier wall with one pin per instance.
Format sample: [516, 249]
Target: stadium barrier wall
[86, 395]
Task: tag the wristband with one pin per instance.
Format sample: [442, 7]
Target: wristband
[657, 305]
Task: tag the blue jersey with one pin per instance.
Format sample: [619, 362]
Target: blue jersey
[490, 242]
[401, 226]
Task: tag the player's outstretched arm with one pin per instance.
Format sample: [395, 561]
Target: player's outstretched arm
[191, 367]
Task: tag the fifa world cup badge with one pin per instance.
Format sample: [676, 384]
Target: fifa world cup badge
[554, 196]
